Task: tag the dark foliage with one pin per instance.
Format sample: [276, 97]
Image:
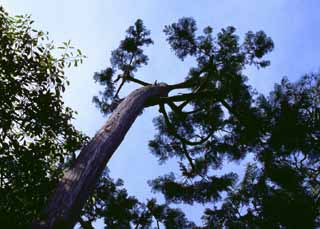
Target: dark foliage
[126, 60]
[283, 188]
[112, 203]
[36, 134]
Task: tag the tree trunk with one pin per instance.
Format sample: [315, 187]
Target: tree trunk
[72, 191]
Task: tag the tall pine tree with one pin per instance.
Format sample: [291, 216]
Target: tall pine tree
[217, 119]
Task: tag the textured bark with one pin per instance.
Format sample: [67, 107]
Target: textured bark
[77, 183]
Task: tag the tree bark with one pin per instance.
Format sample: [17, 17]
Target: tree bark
[75, 187]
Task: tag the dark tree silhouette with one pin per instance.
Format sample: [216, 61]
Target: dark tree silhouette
[215, 119]
[281, 189]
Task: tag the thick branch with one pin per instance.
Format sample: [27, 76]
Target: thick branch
[195, 92]
[119, 88]
[186, 84]
[135, 80]
[181, 98]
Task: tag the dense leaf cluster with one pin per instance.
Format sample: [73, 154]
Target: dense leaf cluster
[283, 189]
[36, 134]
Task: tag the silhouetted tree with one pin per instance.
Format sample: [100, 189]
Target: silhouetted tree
[282, 188]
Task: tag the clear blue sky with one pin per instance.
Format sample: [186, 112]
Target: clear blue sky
[97, 26]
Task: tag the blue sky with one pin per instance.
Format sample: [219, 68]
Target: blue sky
[97, 26]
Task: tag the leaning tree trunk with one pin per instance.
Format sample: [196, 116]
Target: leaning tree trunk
[74, 188]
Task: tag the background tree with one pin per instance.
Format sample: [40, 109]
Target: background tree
[37, 138]
[282, 188]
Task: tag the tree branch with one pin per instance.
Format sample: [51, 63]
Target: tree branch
[135, 80]
[186, 84]
[195, 92]
[174, 133]
[180, 98]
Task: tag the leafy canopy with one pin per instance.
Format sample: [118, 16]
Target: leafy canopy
[223, 120]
